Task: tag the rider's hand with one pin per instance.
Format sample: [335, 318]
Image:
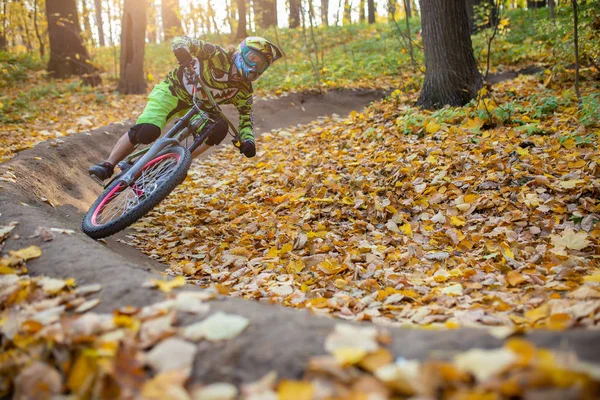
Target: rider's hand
[248, 148]
[183, 56]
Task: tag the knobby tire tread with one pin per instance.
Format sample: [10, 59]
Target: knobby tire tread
[177, 177]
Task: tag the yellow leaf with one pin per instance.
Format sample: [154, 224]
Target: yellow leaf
[348, 201]
[595, 278]
[471, 198]
[295, 390]
[273, 252]
[537, 313]
[295, 267]
[349, 355]
[457, 221]
[286, 248]
[432, 127]
[571, 183]
[373, 361]
[319, 302]
[4, 270]
[82, 374]
[167, 286]
[406, 229]
[521, 151]
[28, 253]
[330, 267]
[568, 144]
[515, 278]
[560, 322]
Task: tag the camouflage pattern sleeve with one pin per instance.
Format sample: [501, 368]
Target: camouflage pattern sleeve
[243, 103]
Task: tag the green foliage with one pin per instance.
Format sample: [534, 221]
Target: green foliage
[530, 36]
[15, 68]
[590, 110]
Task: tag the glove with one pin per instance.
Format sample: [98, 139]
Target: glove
[248, 148]
[183, 56]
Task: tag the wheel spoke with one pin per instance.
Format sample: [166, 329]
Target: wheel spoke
[129, 198]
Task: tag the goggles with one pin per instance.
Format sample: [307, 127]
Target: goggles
[255, 60]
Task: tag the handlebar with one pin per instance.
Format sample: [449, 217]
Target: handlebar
[195, 79]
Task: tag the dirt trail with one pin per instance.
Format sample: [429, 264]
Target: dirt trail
[52, 189]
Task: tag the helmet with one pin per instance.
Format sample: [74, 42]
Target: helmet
[254, 55]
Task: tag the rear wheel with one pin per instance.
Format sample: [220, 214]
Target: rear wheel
[120, 206]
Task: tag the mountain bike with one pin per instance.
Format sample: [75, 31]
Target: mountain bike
[148, 175]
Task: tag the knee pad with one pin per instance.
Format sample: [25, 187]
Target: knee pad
[217, 132]
[143, 133]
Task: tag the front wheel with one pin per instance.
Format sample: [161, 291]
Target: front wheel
[120, 206]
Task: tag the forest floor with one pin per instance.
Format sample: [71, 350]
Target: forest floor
[486, 218]
[477, 227]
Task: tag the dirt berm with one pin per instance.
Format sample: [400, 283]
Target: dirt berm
[53, 190]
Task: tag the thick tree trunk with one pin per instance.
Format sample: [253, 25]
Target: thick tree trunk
[170, 19]
[551, 6]
[265, 13]
[451, 76]
[68, 55]
[294, 13]
[100, 22]
[371, 7]
[325, 12]
[241, 29]
[133, 40]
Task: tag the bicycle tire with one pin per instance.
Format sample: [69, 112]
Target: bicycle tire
[175, 177]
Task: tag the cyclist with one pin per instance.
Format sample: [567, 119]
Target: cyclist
[228, 75]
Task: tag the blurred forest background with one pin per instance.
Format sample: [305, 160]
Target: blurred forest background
[123, 47]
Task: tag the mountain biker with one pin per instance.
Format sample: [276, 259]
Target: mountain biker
[228, 75]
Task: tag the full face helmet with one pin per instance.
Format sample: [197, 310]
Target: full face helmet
[254, 55]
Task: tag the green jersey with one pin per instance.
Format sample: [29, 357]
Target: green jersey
[214, 68]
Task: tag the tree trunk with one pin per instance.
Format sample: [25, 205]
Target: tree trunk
[37, 29]
[408, 9]
[371, 7]
[241, 30]
[362, 16]
[68, 55]
[347, 13]
[133, 35]
[3, 41]
[151, 23]
[576, 48]
[294, 13]
[265, 13]
[325, 12]
[87, 27]
[551, 6]
[391, 8]
[451, 76]
[229, 8]
[170, 19]
[100, 22]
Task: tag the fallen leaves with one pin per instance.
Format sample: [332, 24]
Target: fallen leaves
[53, 344]
[219, 326]
[456, 226]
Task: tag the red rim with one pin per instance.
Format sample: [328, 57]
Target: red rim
[119, 187]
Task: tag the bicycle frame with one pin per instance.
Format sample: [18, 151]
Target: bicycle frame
[176, 134]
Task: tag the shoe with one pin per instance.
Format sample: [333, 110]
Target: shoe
[101, 171]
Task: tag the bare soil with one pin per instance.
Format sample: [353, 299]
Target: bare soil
[53, 190]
